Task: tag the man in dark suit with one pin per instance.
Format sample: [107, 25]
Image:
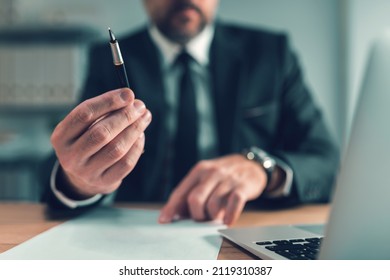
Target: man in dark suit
[251, 131]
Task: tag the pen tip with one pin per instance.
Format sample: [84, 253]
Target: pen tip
[112, 36]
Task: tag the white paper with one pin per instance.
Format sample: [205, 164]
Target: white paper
[117, 233]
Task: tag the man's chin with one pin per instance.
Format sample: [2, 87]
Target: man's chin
[183, 33]
[182, 25]
[187, 29]
[183, 36]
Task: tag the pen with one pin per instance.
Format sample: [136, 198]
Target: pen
[118, 60]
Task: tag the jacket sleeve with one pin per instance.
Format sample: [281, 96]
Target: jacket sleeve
[304, 141]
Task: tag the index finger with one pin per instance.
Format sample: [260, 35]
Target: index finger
[177, 203]
[86, 113]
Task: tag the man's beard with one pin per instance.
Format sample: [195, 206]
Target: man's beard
[180, 35]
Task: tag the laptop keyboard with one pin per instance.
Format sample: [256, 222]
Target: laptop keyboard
[294, 249]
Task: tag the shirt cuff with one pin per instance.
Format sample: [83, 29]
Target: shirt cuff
[284, 189]
[66, 200]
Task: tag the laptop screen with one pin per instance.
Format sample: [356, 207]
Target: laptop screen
[359, 226]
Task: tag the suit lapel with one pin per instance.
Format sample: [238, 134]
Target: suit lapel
[224, 66]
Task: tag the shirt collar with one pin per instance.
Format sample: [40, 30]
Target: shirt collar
[198, 47]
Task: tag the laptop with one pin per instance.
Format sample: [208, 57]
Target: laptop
[359, 222]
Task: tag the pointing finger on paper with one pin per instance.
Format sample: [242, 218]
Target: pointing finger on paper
[216, 189]
[176, 206]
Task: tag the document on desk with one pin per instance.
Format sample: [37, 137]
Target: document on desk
[118, 233]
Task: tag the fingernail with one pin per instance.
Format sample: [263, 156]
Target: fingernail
[126, 96]
[163, 219]
[176, 217]
[147, 117]
[139, 105]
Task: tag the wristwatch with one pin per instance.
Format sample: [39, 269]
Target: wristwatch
[263, 158]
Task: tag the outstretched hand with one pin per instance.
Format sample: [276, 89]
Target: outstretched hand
[100, 142]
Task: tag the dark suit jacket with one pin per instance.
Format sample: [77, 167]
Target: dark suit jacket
[259, 98]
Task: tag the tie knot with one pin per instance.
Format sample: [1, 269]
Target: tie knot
[184, 58]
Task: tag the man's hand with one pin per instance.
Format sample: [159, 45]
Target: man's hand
[101, 141]
[216, 189]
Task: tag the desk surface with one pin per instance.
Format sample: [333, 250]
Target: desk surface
[22, 221]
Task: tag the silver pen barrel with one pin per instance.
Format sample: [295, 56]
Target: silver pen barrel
[116, 52]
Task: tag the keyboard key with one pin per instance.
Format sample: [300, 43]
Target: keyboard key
[315, 239]
[296, 240]
[312, 245]
[264, 243]
[285, 247]
[282, 242]
[286, 254]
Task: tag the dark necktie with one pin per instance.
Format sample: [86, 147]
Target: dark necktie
[185, 149]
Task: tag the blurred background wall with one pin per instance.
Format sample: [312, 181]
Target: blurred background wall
[331, 38]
